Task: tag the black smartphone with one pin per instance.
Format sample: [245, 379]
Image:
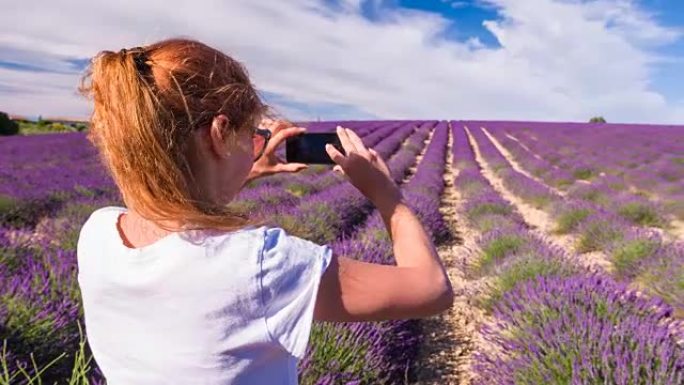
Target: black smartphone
[310, 148]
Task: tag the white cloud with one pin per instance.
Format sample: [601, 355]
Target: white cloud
[457, 4]
[632, 23]
[558, 60]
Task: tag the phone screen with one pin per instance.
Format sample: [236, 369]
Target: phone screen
[310, 148]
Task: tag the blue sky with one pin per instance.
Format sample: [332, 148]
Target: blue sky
[354, 59]
[465, 16]
[669, 77]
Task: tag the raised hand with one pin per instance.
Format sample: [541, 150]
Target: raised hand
[365, 169]
[269, 163]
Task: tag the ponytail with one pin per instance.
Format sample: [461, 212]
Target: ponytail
[147, 102]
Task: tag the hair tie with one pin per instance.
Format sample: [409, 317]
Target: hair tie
[139, 58]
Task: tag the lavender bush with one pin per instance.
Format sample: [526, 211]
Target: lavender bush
[581, 330]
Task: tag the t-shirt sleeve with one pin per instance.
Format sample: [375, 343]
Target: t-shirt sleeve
[291, 270]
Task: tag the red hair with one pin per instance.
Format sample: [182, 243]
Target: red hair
[147, 103]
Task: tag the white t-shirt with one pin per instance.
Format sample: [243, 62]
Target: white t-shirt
[198, 307]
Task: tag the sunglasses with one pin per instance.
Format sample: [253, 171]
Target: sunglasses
[260, 140]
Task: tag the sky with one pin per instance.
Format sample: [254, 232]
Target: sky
[551, 60]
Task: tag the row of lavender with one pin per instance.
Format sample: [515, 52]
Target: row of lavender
[615, 191]
[39, 174]
[41, 303]
[554, 322]
[636, 251]
[615, 158]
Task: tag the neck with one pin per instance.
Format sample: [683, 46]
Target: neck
[138, 223]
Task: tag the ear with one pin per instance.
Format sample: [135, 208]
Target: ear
[217, 138]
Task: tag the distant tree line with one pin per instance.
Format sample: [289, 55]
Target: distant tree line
[12, 127]
[9, 126]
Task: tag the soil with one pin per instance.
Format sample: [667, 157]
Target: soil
[451, 337]
[524, 146]
[675, 229]
[516, 166]
[540, 221]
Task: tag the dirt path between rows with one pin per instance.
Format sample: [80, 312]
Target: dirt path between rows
[529, 150]
[677, 229]
[514, 163]
[673, 233]
[451, 338]
[540, 221]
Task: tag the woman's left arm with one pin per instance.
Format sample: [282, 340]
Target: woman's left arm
[269, 163]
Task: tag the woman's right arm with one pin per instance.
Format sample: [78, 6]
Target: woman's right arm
[417, 286]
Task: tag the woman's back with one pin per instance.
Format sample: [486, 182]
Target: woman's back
[198, 307]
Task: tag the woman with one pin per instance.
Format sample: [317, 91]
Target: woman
[177, 289]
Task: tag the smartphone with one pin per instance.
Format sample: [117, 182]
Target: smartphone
[310, 148]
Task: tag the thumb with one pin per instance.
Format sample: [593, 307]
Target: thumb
[291, 167]
[338, 169]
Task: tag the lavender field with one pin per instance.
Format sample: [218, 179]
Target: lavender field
[564, 242]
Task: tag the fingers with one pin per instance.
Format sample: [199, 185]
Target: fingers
[357, 142]
[272, 124]
[334, 154]
[266, 122]
[375, 157]
[281, 135]
[290, 167]
[377, 160]
[279, 125]
[374, 153]
[345, 140]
